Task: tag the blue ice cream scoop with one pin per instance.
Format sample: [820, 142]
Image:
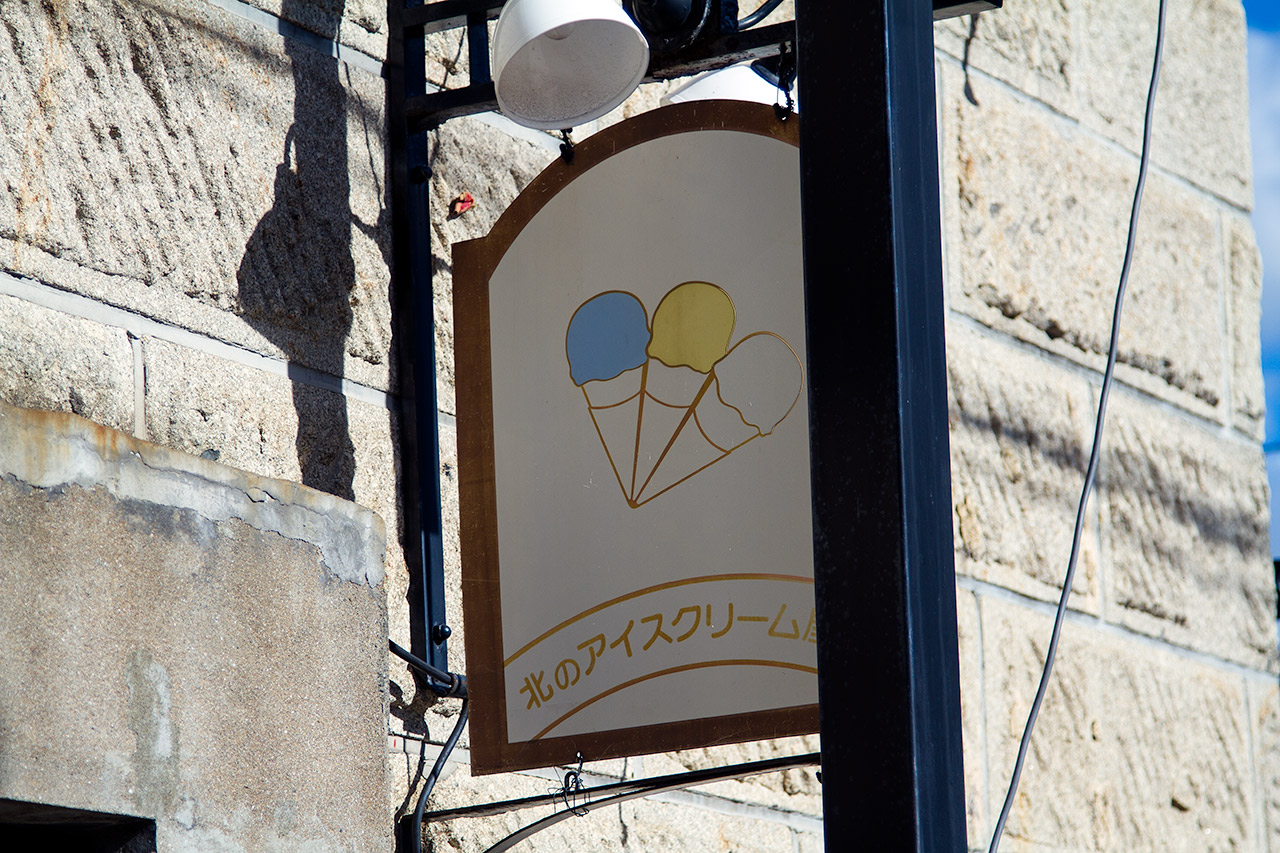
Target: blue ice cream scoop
[607, 335]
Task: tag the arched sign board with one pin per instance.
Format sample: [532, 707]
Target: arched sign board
[637, 562]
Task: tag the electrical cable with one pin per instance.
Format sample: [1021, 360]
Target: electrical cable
[758, 15]
[444, 684]
[1092, 471]
[434, 776]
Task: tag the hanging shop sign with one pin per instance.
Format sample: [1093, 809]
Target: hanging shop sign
[637, 563]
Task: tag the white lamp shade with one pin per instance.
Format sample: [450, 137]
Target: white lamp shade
[735, 83]
[560, 63]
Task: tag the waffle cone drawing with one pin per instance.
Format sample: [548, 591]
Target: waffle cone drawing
[671, 398]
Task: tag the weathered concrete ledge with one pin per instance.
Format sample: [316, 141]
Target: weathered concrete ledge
[51, 449]
[188, 643]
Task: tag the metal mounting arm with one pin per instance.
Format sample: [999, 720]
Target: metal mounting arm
[430, 110]
[619, 792]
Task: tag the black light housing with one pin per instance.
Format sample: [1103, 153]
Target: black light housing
[669, 25]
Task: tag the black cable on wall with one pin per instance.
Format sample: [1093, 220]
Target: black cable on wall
[1092, 471]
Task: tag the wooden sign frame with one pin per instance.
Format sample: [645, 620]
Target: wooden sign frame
[474, 262]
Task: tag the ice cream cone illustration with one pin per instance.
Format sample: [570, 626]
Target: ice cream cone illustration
[671, 398]
[605, 345]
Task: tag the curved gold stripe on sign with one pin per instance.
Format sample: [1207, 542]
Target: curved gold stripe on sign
[746, 576]
[813, 670]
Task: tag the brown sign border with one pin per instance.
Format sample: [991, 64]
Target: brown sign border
[473, 263]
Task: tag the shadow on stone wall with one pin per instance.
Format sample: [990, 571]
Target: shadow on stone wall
[297, 271]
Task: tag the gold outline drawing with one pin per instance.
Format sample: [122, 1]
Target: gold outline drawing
[799, 390]
[798, 667]
[688, 413]
[633, 495]
[744, 576]
[697, 471]
[591, 410]
[635, 461]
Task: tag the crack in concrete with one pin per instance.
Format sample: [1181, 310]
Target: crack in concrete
[47, 450]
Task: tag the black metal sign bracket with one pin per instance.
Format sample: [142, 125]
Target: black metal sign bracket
[883, 560]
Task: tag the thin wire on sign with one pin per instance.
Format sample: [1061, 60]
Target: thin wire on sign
[786, 77]
[1091, 473]
[573, 791]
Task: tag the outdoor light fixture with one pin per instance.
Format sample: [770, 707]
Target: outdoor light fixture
[747, 82]
[560, 63]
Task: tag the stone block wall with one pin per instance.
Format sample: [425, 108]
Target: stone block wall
[196, 250]
[1152, 734]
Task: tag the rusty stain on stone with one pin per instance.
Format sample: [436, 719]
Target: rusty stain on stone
[54, 449]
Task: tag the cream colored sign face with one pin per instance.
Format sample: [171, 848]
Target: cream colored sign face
[650, 448]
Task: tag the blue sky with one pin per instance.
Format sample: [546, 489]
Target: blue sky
[1263, 15]
[1263, 18]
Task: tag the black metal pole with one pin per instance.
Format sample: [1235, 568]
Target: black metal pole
[885, 580]
[415, 329]
[430, 534]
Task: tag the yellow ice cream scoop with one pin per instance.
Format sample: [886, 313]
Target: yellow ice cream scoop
[692, 325]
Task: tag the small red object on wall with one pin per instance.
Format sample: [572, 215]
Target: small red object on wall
[461, 204]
